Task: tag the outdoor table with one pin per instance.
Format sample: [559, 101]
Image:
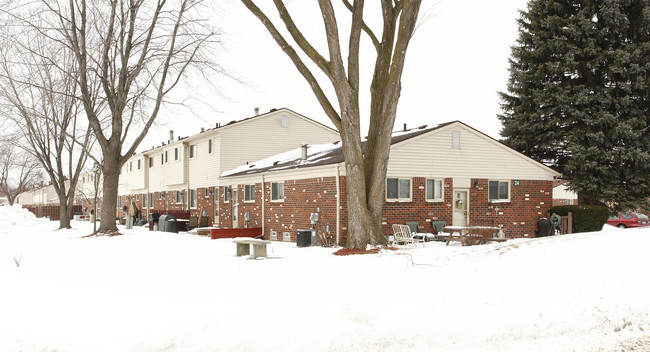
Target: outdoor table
[472, 235]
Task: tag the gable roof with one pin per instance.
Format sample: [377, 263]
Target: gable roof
[318, 155]
[233, 123]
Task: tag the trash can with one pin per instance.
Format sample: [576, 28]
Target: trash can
[167, 223]
[544, 227]
[153, 219]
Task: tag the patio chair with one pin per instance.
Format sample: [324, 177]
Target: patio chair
[404, 235]
[438, 226]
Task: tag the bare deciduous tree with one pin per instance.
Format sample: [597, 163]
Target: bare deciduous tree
[19, 172]
[38, 92]
[129, 55]
[365, 166]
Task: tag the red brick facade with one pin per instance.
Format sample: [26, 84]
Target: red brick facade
[529, 200]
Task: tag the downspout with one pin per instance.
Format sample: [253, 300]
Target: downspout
[186, 174]
[263, 209]
[338, 204]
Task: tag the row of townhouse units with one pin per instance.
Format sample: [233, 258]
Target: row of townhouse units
[450, 172]
[183, 175]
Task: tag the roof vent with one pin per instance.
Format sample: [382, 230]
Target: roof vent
[303, 153]
[257, 111]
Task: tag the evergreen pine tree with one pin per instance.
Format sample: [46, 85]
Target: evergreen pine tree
[578, 95]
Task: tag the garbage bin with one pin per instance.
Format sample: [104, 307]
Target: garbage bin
[304, 238]
[153, 219]
[544, 227]
[167, 223]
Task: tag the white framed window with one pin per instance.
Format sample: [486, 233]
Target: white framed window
[206, 192]
[398, 189]
[455, 140]
[139, 166]
[435, 190]
[193, 198]
[150, 163]
[192, 151]
[150, 200]
[166, 156]
[160, 195]
[130, 166]
[209, 146]
[162, 159]
[499, 191]
[277, 191]
[179, 197]
[226, 194]
[249, 193]
[176, 153]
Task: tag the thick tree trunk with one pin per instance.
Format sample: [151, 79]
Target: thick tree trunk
[64, 214]
[111, 172]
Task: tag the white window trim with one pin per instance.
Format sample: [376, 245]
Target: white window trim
[500, 200]
[271, 193]
[442, 190]
[227, 193]
[398, 199]
[193, 151]
[196, 198]
[249, 200]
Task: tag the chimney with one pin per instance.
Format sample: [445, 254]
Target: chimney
[404, 127]
[171, 136]
[202, 129]
[303, 154]
[257, 111]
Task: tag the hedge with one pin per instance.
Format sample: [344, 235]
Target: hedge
[586, 218]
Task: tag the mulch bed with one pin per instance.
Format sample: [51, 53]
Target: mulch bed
[352, 251]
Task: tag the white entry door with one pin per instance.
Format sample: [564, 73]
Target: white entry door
[235, 208]
[460, 213]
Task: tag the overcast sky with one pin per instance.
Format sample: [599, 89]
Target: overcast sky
[456, 64]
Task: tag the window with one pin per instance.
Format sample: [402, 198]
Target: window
[162, 159]
[192, 151]
[83, 179]
[176, 153]
[434, 190]
[277, 191]
[139, 164]
[144, 200]
[398, 189]
[166, 156]
[130, 165]
[455, 140]
[226, 194]
[499, 191]
[206, 192]
[249, 193]
[150, 163]
[150, 200]
[192, 198]
[160, 196]
[179, 197]
[209, 146]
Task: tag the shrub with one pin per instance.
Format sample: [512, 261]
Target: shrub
[585, 217]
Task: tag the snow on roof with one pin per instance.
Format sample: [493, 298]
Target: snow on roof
[321, 154]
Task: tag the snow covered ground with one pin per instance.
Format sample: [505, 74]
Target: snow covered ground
[153, 291]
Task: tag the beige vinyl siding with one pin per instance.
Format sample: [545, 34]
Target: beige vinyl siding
[174, 170]
[134, 178]
[260, 138]
[432, 155]
[204, 166]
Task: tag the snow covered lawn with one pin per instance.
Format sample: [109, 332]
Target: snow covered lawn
[153, 291]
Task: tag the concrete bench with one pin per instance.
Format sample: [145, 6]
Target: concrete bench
[244, 247]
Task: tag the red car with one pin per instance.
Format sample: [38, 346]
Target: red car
[628, 219]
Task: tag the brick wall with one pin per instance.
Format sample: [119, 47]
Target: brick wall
[528, 202]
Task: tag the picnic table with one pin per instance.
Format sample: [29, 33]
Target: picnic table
[473, 235]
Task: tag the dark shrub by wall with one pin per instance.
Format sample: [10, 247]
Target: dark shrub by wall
[585, 217]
